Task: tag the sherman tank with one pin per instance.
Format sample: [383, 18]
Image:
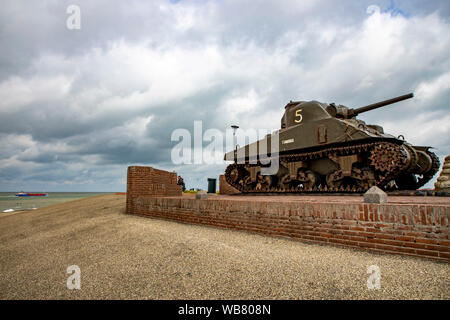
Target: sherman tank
[326, 148]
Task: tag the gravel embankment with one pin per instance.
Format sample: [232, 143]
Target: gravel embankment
[130, 257]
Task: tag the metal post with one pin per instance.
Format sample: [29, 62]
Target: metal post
[235, 127]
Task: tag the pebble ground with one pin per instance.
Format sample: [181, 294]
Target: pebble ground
[132, 257]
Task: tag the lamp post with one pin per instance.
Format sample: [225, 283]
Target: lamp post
[235, 127]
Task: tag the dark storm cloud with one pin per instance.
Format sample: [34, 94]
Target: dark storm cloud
[78, 106]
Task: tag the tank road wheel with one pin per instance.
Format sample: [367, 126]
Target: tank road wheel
[335, 180]
[307, 178]
[364, 178]
[285, 182]
[263, 183]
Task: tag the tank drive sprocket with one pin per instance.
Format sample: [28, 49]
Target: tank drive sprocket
[388, 157]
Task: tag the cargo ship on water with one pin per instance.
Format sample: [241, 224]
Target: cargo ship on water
[28, 194]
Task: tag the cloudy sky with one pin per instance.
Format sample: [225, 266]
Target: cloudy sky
[77, 106]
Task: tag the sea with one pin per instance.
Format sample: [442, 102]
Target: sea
[9, 202]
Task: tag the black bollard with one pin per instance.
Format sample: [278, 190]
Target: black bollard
[211, 185]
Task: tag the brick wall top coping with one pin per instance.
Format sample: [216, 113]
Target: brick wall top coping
[344, 200]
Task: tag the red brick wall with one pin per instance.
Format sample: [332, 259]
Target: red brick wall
[411, 229]
[148, 181]
[225, 187]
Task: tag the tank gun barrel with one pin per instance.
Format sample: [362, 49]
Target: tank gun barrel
[354, 112]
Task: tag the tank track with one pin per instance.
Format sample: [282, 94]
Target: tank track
[390, 157]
